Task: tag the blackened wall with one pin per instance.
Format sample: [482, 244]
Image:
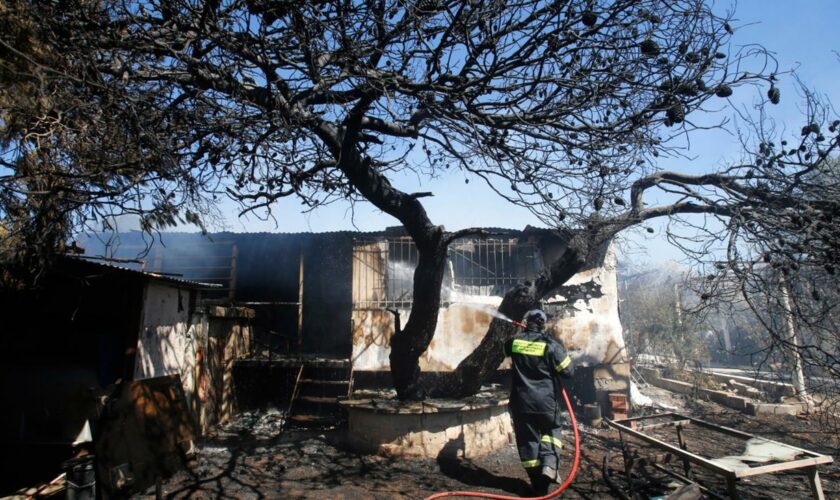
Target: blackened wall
[327, 294]
[267, 279]
[268, 270]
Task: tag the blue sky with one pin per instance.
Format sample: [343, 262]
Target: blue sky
[801, 34]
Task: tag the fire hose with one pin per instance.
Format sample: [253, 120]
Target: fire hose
[558, 491]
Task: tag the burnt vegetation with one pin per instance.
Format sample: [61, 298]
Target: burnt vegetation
[158, 109]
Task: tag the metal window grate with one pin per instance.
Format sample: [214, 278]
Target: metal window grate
[383, 270]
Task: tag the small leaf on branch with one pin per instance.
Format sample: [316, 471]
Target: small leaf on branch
[811, 128]
[676, 113]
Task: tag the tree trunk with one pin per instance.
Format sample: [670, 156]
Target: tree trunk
[412, 341]
[475, 369]
[409, 344]
[797, 375]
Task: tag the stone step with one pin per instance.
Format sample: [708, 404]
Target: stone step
[315, 405]
[319, 399]
[330, 382]
[324, 388]
[326, 363]
[331, 373]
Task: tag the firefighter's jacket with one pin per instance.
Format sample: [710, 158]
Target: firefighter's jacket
[538, 361]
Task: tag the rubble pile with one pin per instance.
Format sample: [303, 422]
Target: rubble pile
[260, 424]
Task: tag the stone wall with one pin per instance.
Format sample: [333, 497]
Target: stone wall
[434, 429]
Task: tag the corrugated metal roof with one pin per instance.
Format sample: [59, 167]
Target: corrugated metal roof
[114, 266]
[382, 232]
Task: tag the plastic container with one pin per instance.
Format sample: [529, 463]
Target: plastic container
[592, 414]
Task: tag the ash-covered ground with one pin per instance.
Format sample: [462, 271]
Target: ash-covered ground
[253, 457]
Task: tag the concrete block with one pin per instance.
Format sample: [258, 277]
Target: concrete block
[769, 386]
[674, 385]
[726, 399]
[744, 389]
[771, 409]
[720, 397]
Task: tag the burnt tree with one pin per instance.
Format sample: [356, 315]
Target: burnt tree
[777, 215]
[559, 106]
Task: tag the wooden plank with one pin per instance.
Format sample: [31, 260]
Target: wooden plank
[816, 485]
[647, 417]
[295, 391]
[300, 304]
[795, 464]
[746, 435]
[233, 265]
[672, 423]
[675, 450]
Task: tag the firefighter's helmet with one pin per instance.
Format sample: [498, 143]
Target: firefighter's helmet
[536, 318]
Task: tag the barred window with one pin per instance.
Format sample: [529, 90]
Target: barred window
[383, 270]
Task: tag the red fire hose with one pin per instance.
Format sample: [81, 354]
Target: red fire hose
[552, 494]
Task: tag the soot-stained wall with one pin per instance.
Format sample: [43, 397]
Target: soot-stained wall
[262, 271]
[585, 314]
[585, 318]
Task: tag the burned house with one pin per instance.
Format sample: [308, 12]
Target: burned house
[334, 295]
[479, 272]
[92, 338]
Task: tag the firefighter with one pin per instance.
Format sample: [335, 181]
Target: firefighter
[539, 360]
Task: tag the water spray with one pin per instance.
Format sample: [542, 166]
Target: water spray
[492, 311]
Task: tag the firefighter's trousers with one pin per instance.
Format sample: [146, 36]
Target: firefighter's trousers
[538, 441]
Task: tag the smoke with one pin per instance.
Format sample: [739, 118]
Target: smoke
[487, 309]
[400, 281]
[191, 256]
